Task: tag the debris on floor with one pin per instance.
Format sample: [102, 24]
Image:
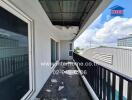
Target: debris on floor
[48, 90]
[60, 88]
[53, 80]
[64, 99]
[62, 83]
[64, 86]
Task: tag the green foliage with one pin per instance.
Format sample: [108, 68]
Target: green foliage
[77, 50]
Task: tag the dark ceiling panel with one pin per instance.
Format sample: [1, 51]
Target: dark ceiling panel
[68, 12]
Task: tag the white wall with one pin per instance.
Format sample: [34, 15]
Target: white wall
[64, 50]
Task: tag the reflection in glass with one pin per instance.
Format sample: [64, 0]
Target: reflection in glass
[14, 66]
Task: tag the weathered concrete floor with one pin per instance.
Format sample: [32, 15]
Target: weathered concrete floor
[64, 86]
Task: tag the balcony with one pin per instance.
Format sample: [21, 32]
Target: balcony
[98, 83]
[33, 32]
[64, 84]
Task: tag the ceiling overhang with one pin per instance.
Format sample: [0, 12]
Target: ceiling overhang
[69, 12]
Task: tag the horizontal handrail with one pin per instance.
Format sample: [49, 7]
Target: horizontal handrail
[103, 80]
[126, 77]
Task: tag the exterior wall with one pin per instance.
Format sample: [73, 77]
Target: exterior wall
[125, 42]
[64, 50]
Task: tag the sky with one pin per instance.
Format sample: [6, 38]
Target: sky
[105, 30]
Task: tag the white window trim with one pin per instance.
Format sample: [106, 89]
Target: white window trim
[17, 12]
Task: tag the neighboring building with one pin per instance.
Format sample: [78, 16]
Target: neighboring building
[127, 41]
[8, 42]
[115, 58]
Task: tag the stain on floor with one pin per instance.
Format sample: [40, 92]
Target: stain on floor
[64, 86]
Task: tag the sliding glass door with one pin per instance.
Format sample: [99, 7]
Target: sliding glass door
[14, 64]
[54, 51]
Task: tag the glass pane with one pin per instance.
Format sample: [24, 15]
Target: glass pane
[57, 50]
[70, 46]
[53, 52]
[14, 66]
[70, 53]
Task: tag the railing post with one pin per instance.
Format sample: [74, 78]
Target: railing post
[120, 88]
[129, 92]
[108, 86]
[104, 84]
[113, 86]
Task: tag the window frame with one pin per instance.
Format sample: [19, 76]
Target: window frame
[7, 5]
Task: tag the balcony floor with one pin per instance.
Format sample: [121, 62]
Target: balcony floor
[64, 86]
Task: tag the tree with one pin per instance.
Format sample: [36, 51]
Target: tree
[77, 49]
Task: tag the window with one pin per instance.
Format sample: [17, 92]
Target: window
[70, 53]
[14, 54]
[70, 46]
[57, 51]
[53, 51]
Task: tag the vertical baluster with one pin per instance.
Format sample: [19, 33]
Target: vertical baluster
[16, 63]
[104, 84]
[4, 67]
[12, 65]
[90, 74]
[0, 68]
[113, 86]
[98, 80]
[129, 92]
[120, 88]
[100, 83]
[93, 72]
[8, 65]
[108, 86]
[94, 81]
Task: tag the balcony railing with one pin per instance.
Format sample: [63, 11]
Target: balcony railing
[13, 64]
[104, 80]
